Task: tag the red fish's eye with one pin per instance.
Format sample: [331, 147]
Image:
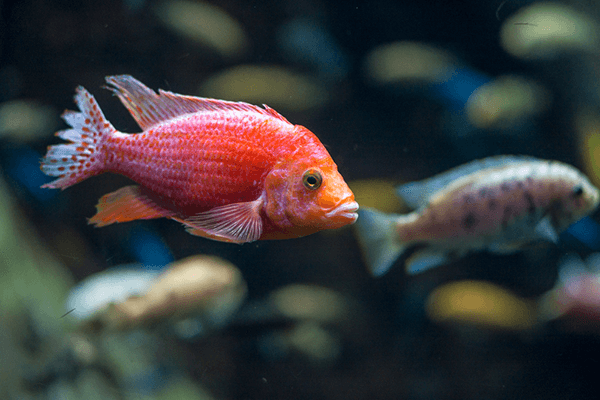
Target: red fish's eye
[312, 179]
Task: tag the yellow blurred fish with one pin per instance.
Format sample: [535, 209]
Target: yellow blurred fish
[497, 204]
[482, 304]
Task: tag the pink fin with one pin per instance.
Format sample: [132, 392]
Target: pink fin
[81, 158]
[149, 108]
[126, 204]
[236, 223]
[274, 114]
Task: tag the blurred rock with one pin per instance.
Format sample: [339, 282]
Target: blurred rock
[112, 285]
[205, 287]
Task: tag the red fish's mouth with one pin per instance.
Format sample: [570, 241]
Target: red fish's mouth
[345, 211]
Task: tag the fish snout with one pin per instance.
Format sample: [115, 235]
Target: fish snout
[344, 213]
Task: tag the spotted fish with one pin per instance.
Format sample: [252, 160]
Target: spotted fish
[497, 204]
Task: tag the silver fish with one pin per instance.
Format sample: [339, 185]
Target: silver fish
[497, 204]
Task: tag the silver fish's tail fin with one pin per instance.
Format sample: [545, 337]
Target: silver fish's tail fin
[82, 157]
[377, 236]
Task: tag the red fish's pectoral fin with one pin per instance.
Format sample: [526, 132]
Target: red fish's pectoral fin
[235, 223]
[126, 204]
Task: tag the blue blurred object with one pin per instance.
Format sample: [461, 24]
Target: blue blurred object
[149, 249]
[305, 40]
[22, 165]
[148, 381]
[587, 231]
[457, 89]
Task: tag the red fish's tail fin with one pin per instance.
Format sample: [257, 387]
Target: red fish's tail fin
[83, 156]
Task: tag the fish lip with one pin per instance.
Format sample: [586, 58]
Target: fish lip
[346, 210]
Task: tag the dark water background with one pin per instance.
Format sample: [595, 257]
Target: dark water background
[393, 131]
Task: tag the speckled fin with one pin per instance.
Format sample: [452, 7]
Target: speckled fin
[126, 204]
[417, 194]
[235, 223]
[149, 108]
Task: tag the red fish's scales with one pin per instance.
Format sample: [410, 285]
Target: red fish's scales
[228, 171]
[199, 162]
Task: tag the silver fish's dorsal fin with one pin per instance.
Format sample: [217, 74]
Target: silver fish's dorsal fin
[417, 194]
[149, 108]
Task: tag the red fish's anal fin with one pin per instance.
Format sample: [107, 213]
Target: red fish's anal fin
[149, 108]
[235, 223]
[126, 204]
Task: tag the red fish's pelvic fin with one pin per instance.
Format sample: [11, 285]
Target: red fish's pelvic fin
[82, 157]
[149, 108]
[376, 234]
[126, 204]
[235, 223]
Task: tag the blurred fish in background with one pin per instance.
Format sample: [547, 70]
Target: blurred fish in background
[499, 204]
[574, 302]
[273, 85]
[479, 109]
[481, 304]
[205, 23]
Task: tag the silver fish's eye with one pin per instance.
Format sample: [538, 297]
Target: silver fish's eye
[577, 191]
[312, 179]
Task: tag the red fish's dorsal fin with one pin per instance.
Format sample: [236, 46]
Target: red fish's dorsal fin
[268, 110]
[126, 204]
[149, 108]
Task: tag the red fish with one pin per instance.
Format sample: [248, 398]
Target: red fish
[229, 171]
